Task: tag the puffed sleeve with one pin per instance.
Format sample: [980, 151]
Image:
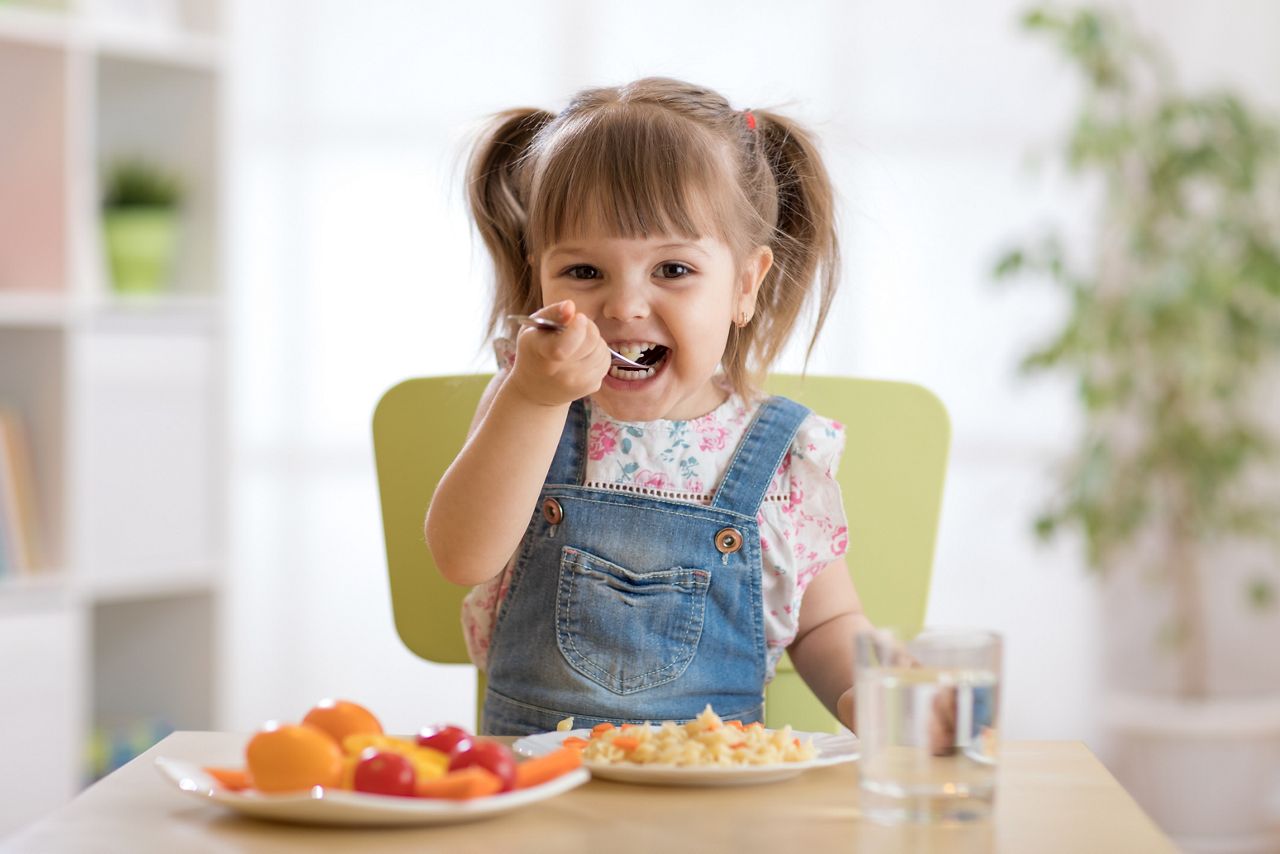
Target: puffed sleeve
[815, 507]
[504, 353]
[802, 527]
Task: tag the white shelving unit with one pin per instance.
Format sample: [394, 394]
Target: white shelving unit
[123, 400]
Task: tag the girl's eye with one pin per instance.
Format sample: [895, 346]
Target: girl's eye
[674, 270]
[582, 272]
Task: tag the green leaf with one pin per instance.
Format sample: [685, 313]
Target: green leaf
[1045, 526]
[1011, 263]
[1261, 594]
[138, 183]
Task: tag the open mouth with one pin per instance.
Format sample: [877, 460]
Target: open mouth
[650, 355]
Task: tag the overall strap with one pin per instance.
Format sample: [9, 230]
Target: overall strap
[567, 466]
[758, 456]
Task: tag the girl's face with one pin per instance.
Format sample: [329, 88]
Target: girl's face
[666, 301]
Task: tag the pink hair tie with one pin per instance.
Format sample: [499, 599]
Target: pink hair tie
[751, 119]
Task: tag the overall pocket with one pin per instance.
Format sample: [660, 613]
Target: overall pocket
[628, 631]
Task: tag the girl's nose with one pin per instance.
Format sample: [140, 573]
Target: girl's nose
[626, 301]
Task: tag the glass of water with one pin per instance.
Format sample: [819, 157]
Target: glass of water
[928, 723]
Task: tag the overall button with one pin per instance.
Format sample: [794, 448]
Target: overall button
[552, 511]
[728, 540]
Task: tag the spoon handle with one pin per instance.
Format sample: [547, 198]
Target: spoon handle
[552, 326]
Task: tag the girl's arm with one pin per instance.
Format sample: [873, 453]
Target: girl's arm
[482, 504]
[830, 615]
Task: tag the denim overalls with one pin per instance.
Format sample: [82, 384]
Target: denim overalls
[627, 608]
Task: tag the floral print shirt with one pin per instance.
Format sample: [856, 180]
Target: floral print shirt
[802, 522]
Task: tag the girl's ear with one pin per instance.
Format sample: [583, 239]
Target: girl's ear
[757, 266]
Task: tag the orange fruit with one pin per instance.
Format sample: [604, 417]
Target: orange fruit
[342, 718]
[292, 757]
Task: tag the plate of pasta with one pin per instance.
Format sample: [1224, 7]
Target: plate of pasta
[706, 751]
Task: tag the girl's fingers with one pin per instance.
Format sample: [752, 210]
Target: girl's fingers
[568, 344]
[561, 312]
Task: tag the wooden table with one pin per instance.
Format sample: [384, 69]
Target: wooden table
[1051, 797]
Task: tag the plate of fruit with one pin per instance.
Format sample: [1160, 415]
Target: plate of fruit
[338, 767]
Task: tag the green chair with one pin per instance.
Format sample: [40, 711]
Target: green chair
[891, 477]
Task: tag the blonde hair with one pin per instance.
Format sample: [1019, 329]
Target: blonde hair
[661, 156]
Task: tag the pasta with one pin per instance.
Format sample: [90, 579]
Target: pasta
[704, 741]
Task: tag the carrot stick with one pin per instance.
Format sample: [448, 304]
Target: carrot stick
[535, 772]
[231, 779]
[459, 785]
[575, 742]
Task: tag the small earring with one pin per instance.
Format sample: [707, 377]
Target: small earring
[742, 319]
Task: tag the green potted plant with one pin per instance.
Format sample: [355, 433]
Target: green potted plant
[1171, 331]
[140, 221]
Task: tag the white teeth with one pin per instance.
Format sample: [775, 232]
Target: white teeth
[630, 374]
[633, 349]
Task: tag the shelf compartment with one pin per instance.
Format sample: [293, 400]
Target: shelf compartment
[146, 442]
[36, 392]
[153, 663]
[33, 167]
[167, 117]
[43, 662]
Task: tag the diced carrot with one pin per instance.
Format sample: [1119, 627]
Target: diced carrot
[737, 744]
[628, 727]
[626, 743]
[575, 742]
[601, 729]
[473, 782]
[232, 779]
[735, 724]
[534, 772]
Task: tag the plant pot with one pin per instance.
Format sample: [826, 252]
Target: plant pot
[1208, 772]
[140, 244]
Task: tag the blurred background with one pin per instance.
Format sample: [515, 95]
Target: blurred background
[225, 227]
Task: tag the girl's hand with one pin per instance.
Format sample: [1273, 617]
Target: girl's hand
[556, 368]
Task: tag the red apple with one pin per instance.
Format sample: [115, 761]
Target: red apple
[495, 758]
[443, 738]
[382, 773]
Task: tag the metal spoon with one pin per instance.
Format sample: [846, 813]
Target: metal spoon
[553, 326]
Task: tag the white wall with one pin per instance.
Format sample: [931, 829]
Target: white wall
[349, 237]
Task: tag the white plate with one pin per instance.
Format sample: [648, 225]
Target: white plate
[833, 749]
[329, 806]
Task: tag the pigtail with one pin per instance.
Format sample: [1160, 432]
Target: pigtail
[497, 195]
[805, 248]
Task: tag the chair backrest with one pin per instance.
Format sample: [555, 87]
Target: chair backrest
[897, 436]
[891, 477]
[418, 428]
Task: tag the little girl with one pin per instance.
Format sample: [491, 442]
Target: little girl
[646, 541]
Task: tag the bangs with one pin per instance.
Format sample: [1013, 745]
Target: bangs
[630, 173]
